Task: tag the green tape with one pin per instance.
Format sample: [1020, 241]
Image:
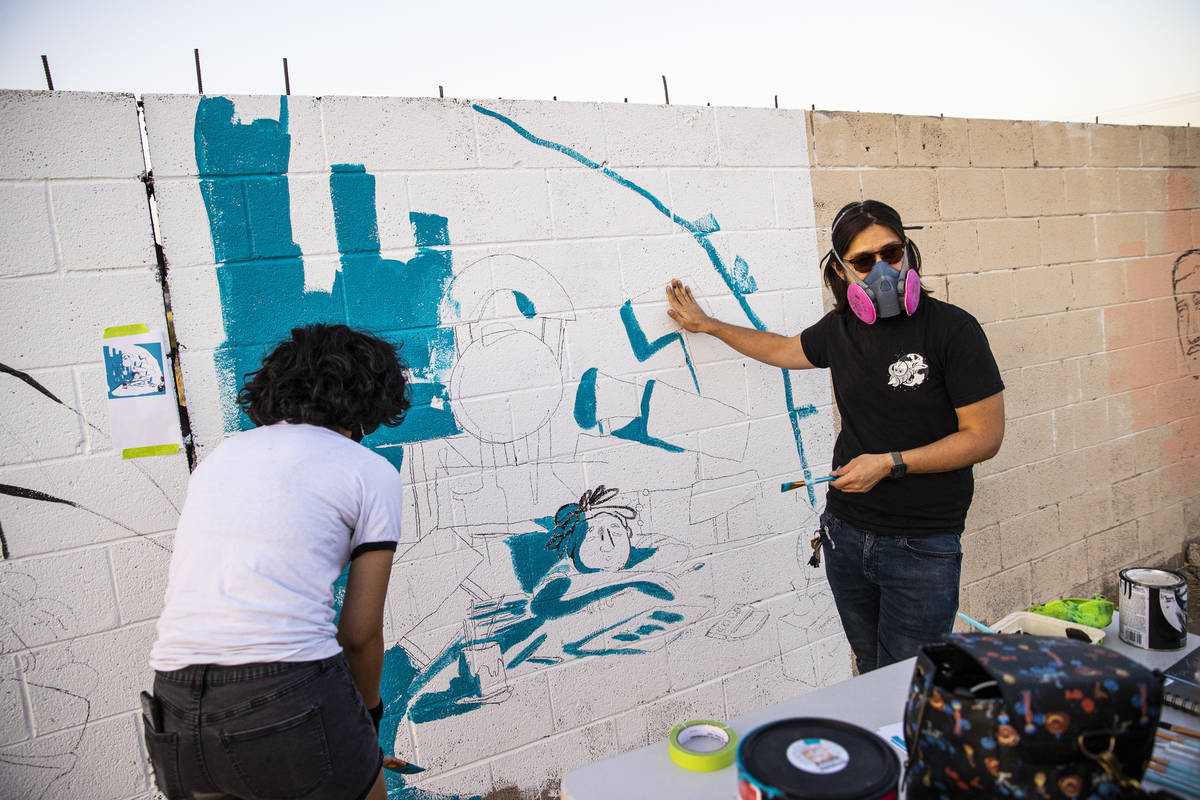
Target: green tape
[125, 330]
[702, 745]
[152, 450]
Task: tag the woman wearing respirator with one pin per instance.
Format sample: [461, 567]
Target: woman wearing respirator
[921, 401]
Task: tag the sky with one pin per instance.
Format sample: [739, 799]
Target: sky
[1124, 62]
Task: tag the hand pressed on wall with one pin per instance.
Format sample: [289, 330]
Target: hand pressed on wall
[684, 308]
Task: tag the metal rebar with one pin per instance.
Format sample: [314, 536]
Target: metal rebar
[199, 82]
[46, 67]
[666, 94]
[287, 81]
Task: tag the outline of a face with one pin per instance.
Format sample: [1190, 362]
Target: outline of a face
[1186, 282]
[607, 545]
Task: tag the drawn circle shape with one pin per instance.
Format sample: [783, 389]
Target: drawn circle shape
[517, 379]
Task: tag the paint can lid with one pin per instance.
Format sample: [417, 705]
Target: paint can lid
[1148, 576]
[819, 759]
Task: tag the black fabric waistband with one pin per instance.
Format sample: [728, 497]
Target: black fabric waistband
[215, 674]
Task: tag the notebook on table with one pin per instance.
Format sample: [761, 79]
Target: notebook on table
[1181, 689]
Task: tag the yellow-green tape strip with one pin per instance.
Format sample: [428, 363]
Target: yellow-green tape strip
[125, 330]
[152, 450]
[702, 745]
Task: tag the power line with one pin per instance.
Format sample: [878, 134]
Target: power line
[1153, 105]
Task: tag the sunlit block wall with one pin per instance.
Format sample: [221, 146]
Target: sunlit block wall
[86, 535]
[596, 546]
[1075, 246]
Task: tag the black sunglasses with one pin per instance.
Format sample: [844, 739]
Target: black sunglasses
[892, 254]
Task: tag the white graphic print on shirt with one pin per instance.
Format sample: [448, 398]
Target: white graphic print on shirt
[908, 371]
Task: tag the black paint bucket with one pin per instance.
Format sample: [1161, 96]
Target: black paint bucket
[808, 758]
[1153, 608]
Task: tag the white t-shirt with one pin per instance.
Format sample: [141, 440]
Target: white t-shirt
[272, 517]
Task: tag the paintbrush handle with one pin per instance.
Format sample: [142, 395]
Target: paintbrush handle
[1176, 742]
[1180, 729]
[974, 623]
[787, 487]
[1172, 780]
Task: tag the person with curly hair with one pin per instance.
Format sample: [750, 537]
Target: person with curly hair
[921, 401]
[260, 689]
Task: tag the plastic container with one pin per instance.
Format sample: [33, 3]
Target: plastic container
[1041, 625]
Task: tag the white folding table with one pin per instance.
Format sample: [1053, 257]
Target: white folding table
[869, 701]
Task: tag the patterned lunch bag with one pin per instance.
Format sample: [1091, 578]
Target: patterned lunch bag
[1037, 717]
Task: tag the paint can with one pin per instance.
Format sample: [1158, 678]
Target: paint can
[1153, 608]
[808, 758]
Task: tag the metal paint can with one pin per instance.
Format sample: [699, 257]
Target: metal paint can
[808, 758]
[1153, 608]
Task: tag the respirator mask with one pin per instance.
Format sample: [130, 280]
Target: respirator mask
[886, 289]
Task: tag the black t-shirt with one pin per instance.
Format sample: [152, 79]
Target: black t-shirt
[897, 383]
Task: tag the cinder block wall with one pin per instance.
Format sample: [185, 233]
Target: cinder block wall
[1061, 239]
[520, 252]
[539, 236]
[86, 535]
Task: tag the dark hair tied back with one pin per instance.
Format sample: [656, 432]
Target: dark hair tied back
[332, 376]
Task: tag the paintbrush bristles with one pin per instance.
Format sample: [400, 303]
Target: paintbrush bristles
[787, 487]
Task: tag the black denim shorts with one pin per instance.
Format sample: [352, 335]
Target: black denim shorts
[285, 731]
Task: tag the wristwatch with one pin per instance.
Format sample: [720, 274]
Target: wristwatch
[899, 468]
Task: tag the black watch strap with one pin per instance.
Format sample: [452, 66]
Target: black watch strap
[899, 468]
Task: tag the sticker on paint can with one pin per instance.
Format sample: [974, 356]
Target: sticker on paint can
[1173, 612]
[817, 756]
[1135, 616]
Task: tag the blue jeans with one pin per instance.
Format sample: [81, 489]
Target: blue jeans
[893, 593]
[288, 730]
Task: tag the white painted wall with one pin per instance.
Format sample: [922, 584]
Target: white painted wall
[82, 584]
[79, 592]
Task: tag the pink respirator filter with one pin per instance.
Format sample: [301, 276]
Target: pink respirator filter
[912, 292]
[861, 305]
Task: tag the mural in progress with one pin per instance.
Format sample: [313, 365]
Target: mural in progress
[562, 511]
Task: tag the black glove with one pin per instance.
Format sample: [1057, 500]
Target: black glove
[376, 715]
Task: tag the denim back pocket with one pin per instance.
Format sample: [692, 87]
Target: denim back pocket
[286, 759]
[163, 751]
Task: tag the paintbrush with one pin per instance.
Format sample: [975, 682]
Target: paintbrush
[402, 766]
[787, 487]
[1173, 778]
[976, 624]
[1180, 729]
[1184, 744]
